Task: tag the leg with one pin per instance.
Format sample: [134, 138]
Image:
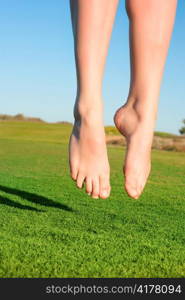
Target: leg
[92, 25]
[151, 24]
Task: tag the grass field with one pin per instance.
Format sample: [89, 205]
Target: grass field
[49, 228]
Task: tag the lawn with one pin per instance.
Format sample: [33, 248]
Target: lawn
[49, 228]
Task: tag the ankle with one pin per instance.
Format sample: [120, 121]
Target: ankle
[88, 108]
[144, 107]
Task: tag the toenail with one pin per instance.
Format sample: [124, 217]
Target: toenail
[135, 195]
[104, 193]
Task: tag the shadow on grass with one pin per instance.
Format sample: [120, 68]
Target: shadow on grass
[6, 201]
[34, 198]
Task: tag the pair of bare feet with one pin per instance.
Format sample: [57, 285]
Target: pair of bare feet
[88, 154]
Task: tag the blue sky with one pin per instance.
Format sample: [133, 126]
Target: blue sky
[37, 64]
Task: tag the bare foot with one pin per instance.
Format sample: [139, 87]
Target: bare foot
[138, 132]
[88, 155]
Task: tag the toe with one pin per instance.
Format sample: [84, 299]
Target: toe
[74, 174]
[80, 180]
[131, 190]
[139, 190]
[104, 187]
[73, 170]
[95, 188]
[133, 193]
[88, 183]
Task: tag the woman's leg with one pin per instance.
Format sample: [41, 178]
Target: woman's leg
[151, 24]
[92, 25]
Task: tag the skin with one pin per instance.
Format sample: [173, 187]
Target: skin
[92, 26]
[151, 24]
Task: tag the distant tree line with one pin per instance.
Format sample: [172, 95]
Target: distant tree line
[19, 117]
[182, 129]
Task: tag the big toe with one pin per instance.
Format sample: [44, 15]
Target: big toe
[80, 180]
[133, 190]
[104, 187]
[74, 174]
[74, 170]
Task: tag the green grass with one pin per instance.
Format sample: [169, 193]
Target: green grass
[111, 130]
[165, 134]
[49, 228]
